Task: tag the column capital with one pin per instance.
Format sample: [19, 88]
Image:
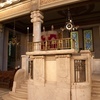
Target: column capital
[36, 16]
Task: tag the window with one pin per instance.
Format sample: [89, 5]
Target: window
[79, 71]
[74, 35]
[88, 41]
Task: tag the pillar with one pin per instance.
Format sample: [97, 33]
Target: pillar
[25, 65]
[63, 63]
[1, 47]
[37, 20]
[5, 35]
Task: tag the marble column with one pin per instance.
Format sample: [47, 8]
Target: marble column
[37, 20]
[1, 46]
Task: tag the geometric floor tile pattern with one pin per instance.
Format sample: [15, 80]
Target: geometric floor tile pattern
[3, 92]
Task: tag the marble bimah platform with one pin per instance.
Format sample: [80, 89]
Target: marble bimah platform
[53, 76]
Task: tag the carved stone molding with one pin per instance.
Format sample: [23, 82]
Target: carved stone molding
[62, 56]
[15, 10]
[31, 57]
[36, 16]
[78, 86]
[38, 57]
[46, 1]
[44, 4]
[39, 69]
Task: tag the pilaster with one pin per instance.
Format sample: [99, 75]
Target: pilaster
[39, 73]
[1, 46]
[63, 70]
[25, 66]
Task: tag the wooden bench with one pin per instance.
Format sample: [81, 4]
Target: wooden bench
[6, 79]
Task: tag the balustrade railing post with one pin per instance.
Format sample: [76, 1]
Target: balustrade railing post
[66, 43]
[46, 45]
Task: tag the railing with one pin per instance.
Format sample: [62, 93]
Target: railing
[57, 44]
[80, 71]
[19, 78]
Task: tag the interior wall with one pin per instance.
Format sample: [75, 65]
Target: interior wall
[1, 48]
[96, 37]
[23, 44]
[96, 40]
[80, 36]
[5, 49]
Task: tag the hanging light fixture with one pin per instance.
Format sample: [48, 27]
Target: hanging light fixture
[69, 23]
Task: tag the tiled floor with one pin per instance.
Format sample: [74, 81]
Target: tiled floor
[3, 92]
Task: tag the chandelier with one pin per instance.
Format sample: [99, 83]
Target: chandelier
[7, 3]
[69, 23]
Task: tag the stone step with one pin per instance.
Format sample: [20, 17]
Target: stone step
[21, 90]
[8, 97]
[96, 92]
[95, 80]
[95, 89]
[24, 84]
[95, 98]
[18, 95]
[23, 87]
[96, 85]
[95, 95]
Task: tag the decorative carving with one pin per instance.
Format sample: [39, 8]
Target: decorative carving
[38, 57]
[62, 56]
[36, 16]
[42, 2]
[78, 86]
[39, 70]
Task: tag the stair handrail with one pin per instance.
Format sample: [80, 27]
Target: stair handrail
[18, 79]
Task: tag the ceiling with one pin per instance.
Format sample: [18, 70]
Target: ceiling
[85, 13]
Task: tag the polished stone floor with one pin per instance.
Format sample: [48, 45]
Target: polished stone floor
[3, 92]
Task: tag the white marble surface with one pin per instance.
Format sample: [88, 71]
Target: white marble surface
[54, 78]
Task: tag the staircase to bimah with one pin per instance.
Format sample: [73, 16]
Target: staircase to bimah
[19, 94]
[95, 89]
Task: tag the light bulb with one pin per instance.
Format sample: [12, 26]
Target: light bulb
[73, 28]
[70, 20]
[2, 5]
